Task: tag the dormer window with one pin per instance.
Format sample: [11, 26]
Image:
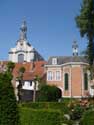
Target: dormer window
[54, 61]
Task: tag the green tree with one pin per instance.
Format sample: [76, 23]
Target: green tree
[9, 114]
[10, 66]
[49, 93]
[20, 79]
[85, 23]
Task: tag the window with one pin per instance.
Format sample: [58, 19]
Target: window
[54, 61]
[85, 81]
[30, 83]
[66, 81]
[21, 58]
[58, 75]
[49, 75]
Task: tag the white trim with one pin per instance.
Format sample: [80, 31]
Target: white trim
[72, 96]
[72, 63]
[66, 96]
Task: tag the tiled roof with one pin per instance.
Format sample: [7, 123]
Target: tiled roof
[31, 69]
[67, 59]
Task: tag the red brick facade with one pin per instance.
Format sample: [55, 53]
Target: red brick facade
[75, 79]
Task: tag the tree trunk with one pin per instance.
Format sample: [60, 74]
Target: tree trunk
[34, 93]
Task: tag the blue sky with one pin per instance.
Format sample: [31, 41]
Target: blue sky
[51, 25]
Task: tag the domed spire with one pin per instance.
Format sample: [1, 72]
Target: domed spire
[23, 32]
[75, 48]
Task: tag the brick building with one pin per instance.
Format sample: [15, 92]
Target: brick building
[70, 74]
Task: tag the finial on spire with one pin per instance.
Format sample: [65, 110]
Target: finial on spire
[23, 35]
[75, 48]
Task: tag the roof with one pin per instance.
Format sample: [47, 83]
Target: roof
[31, 69]
[67, 59]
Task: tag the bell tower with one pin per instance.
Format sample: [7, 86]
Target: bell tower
[23, 51]
[23, 31]
[75, 48]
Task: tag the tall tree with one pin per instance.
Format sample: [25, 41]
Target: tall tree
[85, 23]
[9, 114]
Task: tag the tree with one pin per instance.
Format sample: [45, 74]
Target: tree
[10, 66]
[85, 23]
[49, 93]
[20, 79]
[36, 81]
[9, 114]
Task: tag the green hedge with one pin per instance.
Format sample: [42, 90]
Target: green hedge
[40, 117]
[63, 107]
[88, 118]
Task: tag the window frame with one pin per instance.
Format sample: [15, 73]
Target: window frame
[66, 81]
[54, 61]
[49, 75]
[85, 81]
[58, 76]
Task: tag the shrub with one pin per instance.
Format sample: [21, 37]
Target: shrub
[8, 105]
[88, 118]
[47, 105]
[40, 117]
[76, 112]
[49, 93]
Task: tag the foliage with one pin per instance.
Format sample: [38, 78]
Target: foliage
[76, 112]
[21, 72]
[68, 122]
[85, 23]
[8, 105]
[63, 107]
[10, 66]
[88, 118]
[49, 93]
[40, 117]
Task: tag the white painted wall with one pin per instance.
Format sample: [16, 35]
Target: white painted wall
[21, 49]
[27, 85]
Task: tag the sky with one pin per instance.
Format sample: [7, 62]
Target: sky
[51, 26]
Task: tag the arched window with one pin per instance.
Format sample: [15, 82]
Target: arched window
[85, 81]
[21, 58]
[66, 81]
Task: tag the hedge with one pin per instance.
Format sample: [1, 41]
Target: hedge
[40, 117]
[88, 118]
[63, 107]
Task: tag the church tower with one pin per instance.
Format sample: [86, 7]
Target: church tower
[75, 48]
[24, 51]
